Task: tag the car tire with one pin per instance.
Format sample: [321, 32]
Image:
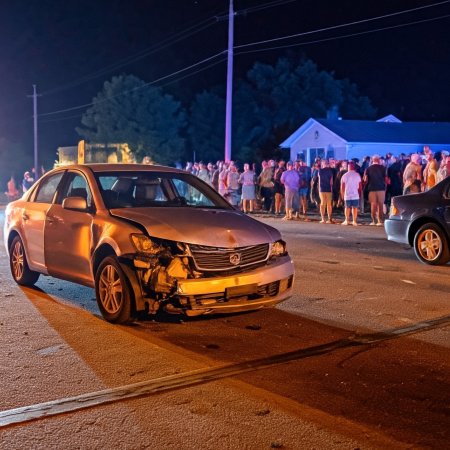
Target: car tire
[431, 245]
[113, 292]
[18, 264]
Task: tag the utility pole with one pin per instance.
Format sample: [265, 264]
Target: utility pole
[36, 162]
[229, 104]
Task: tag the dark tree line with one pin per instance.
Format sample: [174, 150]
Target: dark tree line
[268, 105]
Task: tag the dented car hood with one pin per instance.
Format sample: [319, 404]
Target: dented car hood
[211, 227]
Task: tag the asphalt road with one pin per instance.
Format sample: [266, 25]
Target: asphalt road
[313, 373]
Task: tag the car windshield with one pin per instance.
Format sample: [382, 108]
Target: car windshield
[143, 189]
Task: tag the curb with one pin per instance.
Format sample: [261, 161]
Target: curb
[364, 219]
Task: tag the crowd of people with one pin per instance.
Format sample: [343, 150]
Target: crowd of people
[13, 192]
[290, 189]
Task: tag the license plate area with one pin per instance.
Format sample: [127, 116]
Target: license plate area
[241, 291]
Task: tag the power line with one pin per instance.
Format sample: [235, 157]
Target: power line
[161, 85]
[186, 68]
[194, 73]
[118, 65]
[341, 25]
[343, 36]
[57, 119]
[153, 49]
[190, 31]
[275, 3]
[136, 88]
[243, 12]
[265, 6]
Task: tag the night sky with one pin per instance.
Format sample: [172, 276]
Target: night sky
[69, 48]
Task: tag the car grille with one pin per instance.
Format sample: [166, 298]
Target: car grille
[218, 259]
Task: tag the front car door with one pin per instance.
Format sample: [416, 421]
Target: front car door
[68, 234]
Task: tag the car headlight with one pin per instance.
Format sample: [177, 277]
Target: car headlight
[143, 243]
[278, 248]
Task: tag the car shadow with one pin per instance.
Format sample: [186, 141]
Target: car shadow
[390, 380]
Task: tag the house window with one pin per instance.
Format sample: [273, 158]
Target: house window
[316, 153]
[302, 155]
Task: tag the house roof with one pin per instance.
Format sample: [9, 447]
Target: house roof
[405, 132]
[390, 118]
[380, 132]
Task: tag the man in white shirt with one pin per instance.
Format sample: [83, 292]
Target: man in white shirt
[351, 188]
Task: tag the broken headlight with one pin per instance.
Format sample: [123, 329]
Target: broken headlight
[144, 244]
[278, 248]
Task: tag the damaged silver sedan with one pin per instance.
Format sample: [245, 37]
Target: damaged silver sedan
[147, 238]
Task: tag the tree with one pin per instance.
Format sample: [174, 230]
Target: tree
[270, 103]
[355, 106]
[129, 111]
[290, 92]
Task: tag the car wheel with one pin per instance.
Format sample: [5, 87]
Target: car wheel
[112, 291]
[19, 266]
[431, 245]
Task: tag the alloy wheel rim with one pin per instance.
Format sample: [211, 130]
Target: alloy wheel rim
[429, 245]
[18, 261]
[110, 289]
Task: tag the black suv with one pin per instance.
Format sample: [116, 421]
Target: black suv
[423, 221]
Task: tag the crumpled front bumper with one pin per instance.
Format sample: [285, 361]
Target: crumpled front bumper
[263, 287]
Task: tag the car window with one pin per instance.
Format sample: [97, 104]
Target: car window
[143, 189]
[107, 181]
[77, 186]
[192, 195]
[47, 188]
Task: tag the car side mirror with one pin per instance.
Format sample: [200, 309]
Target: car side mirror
[75, 203]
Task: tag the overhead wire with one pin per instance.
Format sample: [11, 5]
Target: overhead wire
[194, 29]
[57, 119]
[270, 4]
[190, 31]
[194, 73]
[187, 32]
[136, 88]
[49, 120]
[116, 66]
[334, 27]
[316, 41]
[265, 6]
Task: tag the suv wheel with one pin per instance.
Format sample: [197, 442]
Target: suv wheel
[431, 245]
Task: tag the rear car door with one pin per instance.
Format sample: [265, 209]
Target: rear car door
[33, 220]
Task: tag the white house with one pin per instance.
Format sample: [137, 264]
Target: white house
[346, 139]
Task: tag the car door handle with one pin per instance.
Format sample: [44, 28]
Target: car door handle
[51, 219]
[25, 216]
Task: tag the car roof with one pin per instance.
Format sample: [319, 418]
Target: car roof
[115, 167]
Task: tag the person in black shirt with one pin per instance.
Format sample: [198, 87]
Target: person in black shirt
[395, 177]
[375, 178]
[326, 191]
[278, 186]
